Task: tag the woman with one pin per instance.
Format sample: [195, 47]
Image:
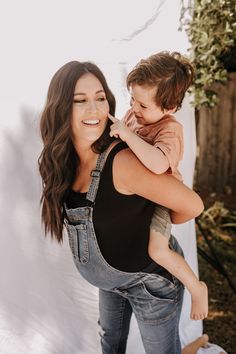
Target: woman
[96, 186]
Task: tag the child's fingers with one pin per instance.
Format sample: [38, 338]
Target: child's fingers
[113, 119]
[112, 133]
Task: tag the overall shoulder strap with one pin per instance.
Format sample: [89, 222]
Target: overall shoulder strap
[96, 174]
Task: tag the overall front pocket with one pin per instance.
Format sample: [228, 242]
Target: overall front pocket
[78, 241]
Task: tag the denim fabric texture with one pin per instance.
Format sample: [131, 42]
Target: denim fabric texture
[155, 300]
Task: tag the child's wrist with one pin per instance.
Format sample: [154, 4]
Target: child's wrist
[129, 136]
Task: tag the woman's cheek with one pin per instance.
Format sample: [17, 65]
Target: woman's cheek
[106, 109]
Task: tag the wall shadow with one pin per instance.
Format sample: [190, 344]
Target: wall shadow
[40, 288]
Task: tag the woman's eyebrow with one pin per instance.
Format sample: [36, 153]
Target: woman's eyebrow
[81, 93]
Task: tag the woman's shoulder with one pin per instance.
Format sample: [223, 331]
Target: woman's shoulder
[125, 169]
[122, 152]
[126, 163]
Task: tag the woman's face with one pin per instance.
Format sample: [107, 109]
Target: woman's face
[90, 109]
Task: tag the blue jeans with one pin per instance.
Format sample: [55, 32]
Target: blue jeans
[155, 300]
[156, 306]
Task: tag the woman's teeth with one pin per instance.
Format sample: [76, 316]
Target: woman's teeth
[91, 121]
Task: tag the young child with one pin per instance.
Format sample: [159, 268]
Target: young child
[157, 86]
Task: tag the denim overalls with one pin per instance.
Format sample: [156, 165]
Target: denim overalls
[155, 300]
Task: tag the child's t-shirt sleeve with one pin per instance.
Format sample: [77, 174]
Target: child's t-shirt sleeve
[170, 141]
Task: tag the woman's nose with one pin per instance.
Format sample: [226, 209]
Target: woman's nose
[91, 106]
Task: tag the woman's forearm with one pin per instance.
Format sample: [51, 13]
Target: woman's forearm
[190, 212]
[131, 177]
[182, 217]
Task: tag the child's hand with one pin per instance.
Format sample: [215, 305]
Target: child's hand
[119, 129]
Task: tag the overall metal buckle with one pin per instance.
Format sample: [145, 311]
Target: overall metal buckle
[95, 173]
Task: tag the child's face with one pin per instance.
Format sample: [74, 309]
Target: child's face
[144, 106]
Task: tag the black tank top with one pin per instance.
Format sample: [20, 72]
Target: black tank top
[121, 222]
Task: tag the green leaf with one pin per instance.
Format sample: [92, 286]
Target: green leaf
[211, 29]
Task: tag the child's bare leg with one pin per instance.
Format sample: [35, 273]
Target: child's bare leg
[160, 252]
[193, 347]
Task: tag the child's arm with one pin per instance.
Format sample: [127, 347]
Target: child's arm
[150, 156]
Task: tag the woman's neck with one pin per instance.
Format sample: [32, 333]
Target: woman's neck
[85, 153]
[87, 162]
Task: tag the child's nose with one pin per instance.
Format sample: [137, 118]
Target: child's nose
[135, 107]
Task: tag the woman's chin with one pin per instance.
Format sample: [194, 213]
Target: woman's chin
[92, 137]
[89, 135]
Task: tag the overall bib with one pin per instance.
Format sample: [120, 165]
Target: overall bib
[155, 300]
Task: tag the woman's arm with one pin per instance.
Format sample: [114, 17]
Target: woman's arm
[131, 177]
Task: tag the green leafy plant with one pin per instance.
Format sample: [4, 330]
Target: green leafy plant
[211, 29]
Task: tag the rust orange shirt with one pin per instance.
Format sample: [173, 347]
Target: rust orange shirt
[166, 134]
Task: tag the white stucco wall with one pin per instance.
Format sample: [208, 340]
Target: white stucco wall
[45, 306]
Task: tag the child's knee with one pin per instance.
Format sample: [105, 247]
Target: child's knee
[157, 254]
[158, 247]
[152, 249]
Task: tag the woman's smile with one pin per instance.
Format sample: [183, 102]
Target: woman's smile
[91, 122]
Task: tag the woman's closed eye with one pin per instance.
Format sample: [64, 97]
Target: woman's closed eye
[101, 99]
[79, 101]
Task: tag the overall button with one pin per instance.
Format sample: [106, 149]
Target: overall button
[87, 210]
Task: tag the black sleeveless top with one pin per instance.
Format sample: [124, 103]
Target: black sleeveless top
[121, 222]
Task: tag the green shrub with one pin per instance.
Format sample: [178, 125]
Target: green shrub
[211, 29]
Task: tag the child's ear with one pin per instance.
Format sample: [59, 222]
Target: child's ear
[170, 111]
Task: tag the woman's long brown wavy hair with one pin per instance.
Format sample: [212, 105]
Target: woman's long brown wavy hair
[58, 160]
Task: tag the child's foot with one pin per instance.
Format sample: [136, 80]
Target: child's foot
[203, 340]
[193, 347]
[199, 308]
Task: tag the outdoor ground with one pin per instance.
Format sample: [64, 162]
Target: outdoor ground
[221, 219]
